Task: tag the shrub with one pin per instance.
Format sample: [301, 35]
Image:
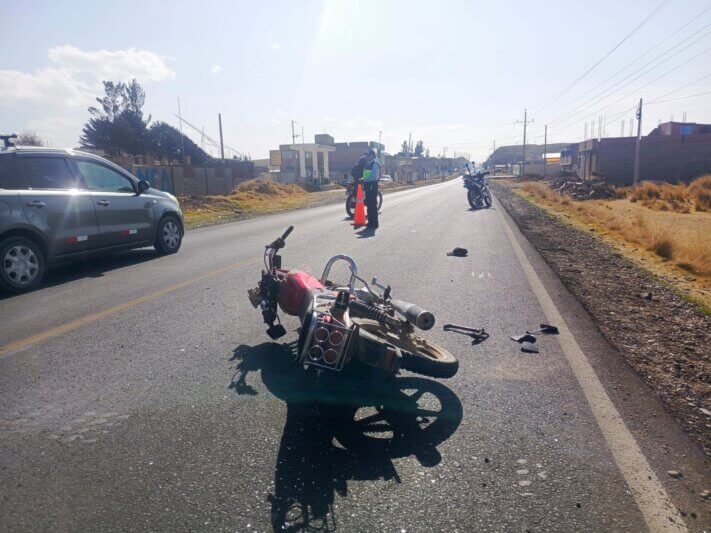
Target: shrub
[699, 192]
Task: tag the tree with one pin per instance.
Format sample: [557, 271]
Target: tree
[404, 149]
[29, 138]
[419, 148]
[165, 140]
[118, 125]
[427, 152]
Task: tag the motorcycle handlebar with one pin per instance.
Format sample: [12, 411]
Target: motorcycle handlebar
[287, 233]
[280, 242]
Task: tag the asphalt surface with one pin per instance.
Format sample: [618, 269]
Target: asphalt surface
[141, 393]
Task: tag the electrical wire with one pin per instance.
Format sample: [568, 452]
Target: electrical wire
[595, 65]
[677, 99]
[640, 88]
[599, 97]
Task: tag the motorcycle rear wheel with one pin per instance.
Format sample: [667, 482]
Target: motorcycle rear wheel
[419, 355]
[350, 204]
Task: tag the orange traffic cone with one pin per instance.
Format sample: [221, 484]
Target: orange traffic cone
[359, 218]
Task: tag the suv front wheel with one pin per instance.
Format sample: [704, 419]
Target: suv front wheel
[22, 264]
[170, 235]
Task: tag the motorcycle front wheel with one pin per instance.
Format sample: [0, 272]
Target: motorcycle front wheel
[473, 198]
[419, 355]
[350, 203]
[487, 198]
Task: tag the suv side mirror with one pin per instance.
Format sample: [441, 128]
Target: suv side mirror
[143, 186]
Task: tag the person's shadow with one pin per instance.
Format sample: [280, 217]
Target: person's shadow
[340, 427]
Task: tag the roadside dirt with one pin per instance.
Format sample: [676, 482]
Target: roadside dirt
[202, 211]
[665, 338]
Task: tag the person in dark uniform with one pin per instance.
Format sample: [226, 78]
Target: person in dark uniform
[371, 176]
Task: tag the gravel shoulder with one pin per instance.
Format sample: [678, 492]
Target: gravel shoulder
[665, 338]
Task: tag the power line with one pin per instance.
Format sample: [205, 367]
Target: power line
[630, 34]
[599, 97]
[683, 87]
[641, 87]
[643, 66]
[677, 99]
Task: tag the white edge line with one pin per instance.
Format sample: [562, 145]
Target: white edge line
[659, 512]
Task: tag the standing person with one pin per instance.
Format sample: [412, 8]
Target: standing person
[371, 176]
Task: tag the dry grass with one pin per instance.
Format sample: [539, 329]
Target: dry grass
[250, 197]
[681, 239]
[700, 192]
[679, 198]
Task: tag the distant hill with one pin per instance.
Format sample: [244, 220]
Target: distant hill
[505, 155]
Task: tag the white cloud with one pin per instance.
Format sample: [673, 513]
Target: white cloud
[216, 69]
[118, 65]
[276, 46]
[53, 99]
[73, 76]
[274, 121]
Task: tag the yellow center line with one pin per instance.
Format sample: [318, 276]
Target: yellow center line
[89, 319]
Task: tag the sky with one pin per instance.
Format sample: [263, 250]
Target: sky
[454, 74]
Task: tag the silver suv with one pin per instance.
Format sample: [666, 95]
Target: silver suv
[58, 205]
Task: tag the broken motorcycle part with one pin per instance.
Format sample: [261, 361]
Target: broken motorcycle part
[529, 347]
[523, 338]
[547, 329]
[479, 335]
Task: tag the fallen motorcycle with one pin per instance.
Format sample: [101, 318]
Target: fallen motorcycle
[342, 325]
[351, 190]
[478, 193]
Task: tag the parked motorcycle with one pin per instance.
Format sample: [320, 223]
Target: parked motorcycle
[477, 187]
[351, 190]
[345, 325]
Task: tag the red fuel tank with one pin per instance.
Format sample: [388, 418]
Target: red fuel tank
[295, 288]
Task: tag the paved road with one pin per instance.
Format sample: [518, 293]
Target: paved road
[141, 393]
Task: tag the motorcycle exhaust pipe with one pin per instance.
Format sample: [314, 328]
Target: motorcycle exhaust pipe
[414, 314]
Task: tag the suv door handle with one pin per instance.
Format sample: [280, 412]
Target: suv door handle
[35, 203]
[103, 202]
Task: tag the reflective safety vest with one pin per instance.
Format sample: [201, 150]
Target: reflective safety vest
[369, 175]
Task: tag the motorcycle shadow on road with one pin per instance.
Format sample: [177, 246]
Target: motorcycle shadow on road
[346, 427]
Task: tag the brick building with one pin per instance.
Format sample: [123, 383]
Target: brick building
[672, 152]
[346, 154]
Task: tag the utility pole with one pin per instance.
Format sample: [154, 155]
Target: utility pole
[599, 129]
[585, 132]
[635, 178]
[293, 135]
[622, 129]
[592, 130]
[303, 139]
[409, 145]
[222, 144]
[545, 149]
[683, 118]
[525, 123]
[182, 141]
[380, 137]
[631, 128]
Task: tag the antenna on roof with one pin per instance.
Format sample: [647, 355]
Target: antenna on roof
[6, 139]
